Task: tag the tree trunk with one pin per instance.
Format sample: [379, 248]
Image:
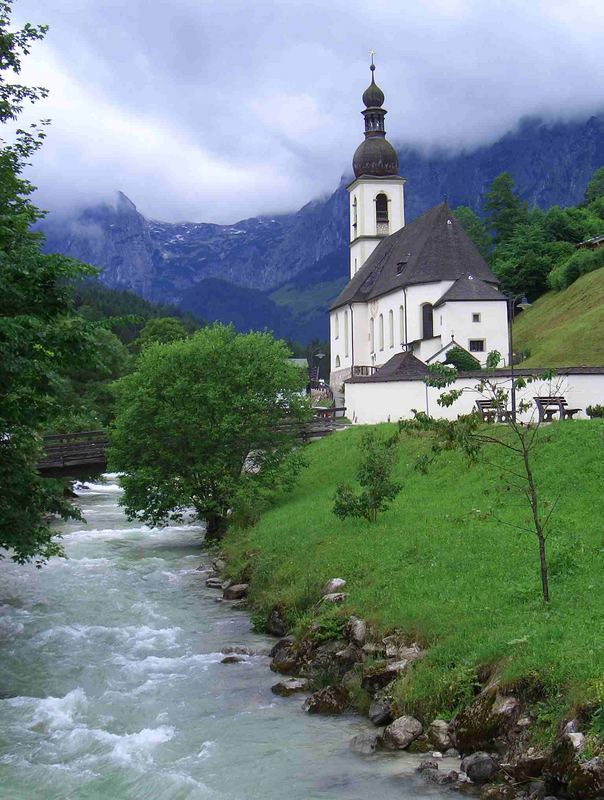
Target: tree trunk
[534, 501]
[215, 527]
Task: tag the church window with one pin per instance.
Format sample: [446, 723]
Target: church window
[346, 334]
[391, 328]
[372, 335]
[477, 346]
[401, 322]
[355, 266]
[337, 362]
[381, 214]
[337, 326]
[427, 321]
[354, 217]
[381, 331]
[475, 317]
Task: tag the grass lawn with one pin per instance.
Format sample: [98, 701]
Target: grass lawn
[437, 566]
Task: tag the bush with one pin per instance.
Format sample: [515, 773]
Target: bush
[580, 263]
[595, 411]
[462, 360]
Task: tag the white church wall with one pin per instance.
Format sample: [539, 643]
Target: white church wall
[370, 403]
[491, 327]
[364, 233]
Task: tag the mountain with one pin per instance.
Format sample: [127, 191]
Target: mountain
[282, 271]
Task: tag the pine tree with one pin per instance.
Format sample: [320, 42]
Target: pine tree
[504, 209]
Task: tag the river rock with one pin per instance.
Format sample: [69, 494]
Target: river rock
[427, 763]
[242, 650]
[485, 723]
[374, 649]
[350, 655]
[333, 585]
[331, 700]
[438, 733]
[400, 733]
[567, 773]
[214, 583]
[236, 592]
[232, 659]
[420, 745]
[356, 631]
[284, 656]
[334, 597]
[379, 676]
[219, 564]
[290, 686]
[365, 743]
[276, 623]
[480, 767]
[380, 711]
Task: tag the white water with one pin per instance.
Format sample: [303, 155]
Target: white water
[111, 684]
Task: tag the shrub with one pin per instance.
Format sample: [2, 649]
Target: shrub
[595, 411]
[462, 360]
[580, 263]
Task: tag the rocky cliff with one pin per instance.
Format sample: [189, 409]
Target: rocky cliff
[295, 263]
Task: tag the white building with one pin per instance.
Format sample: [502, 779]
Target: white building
[414, 289]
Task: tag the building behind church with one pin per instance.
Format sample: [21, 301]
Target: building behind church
[415, 290]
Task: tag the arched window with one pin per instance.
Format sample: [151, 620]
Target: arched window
[337, 362]
[346, 334]
[391, 328]
[401, 323]
[381, 213]
[354, 214]
[427, 321]
[372, 335]
[337, 325]
[381, 331]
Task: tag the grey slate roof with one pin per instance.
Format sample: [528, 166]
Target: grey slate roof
[401, 367]
[434, 246]
[468, 287]
[414, 375]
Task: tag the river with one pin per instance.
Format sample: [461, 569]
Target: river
[112, 685]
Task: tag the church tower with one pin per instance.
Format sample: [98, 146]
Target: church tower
[377, 206]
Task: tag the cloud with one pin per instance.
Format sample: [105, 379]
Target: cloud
[215, 111]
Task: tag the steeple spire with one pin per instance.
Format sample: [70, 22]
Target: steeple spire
[375, 156]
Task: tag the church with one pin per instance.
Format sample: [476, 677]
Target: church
[415, 290]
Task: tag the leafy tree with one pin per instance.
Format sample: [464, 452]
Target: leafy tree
[475, 228]
[504, 209]
[200, 420]
[39, 334]
[377, 460]
[595, 188]
[508, 447]
[160, 330]
[460, 359]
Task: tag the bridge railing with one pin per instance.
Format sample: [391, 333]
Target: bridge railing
[63, 450]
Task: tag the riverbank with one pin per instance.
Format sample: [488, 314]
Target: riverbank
[438, 572]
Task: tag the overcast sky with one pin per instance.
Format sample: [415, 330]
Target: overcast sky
[216, 110]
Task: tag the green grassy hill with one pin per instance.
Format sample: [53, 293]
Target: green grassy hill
[565, 329]
[440, 568]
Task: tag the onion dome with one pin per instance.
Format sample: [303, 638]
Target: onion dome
[375, 156]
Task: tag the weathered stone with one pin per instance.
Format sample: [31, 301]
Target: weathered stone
[334, 585]
[214, 583]
[427, 763]
[572, 726]
[350, 655]
[500, 791]
[219, 564]
[485, 723]
[356, 631]
[290, 686]
[334, 597]
[420, 745]
[528, 764]
[236, 592]
[242, 650]
[451, 753]
[438, 733]
[364, 743]
[284, 656]
[452, 776]
[480, 767]
[379, 676]
[578, 740]
[374, 649]
[209, 572]
[324, 659]
[400, 733]
[232, 659]
[380, 711]
[565, 771]
[331, 700]
[276, 623]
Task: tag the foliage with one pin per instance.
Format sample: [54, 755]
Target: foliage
[40, 336]
[160, 330]
[374, 474]
[504, 209]
[475, 228]
[445, 571]
[462, 360]
[512, 437]
[595, 411]
[202, 418]
[595, 188]
[580, 263]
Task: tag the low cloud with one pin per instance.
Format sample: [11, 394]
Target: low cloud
[216, 111]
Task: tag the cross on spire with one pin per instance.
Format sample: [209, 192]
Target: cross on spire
[372, 53]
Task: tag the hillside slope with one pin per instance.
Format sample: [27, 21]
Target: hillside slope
[564, 329]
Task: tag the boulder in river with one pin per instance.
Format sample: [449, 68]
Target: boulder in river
[331, 700]
[214, 583]
[400, 733]
[480, 767]
[365, 743]
[232, 659]
[236, 592]
[438, 733]
[380, 711]
[290, 686]
[284, 656]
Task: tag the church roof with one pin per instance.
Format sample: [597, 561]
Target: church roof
[401, 367]
[467, 287]
[434, 247]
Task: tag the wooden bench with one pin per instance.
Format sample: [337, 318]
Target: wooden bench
[548, 407]
[492, 412]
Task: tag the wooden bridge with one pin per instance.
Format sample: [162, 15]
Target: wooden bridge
[85, 453]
